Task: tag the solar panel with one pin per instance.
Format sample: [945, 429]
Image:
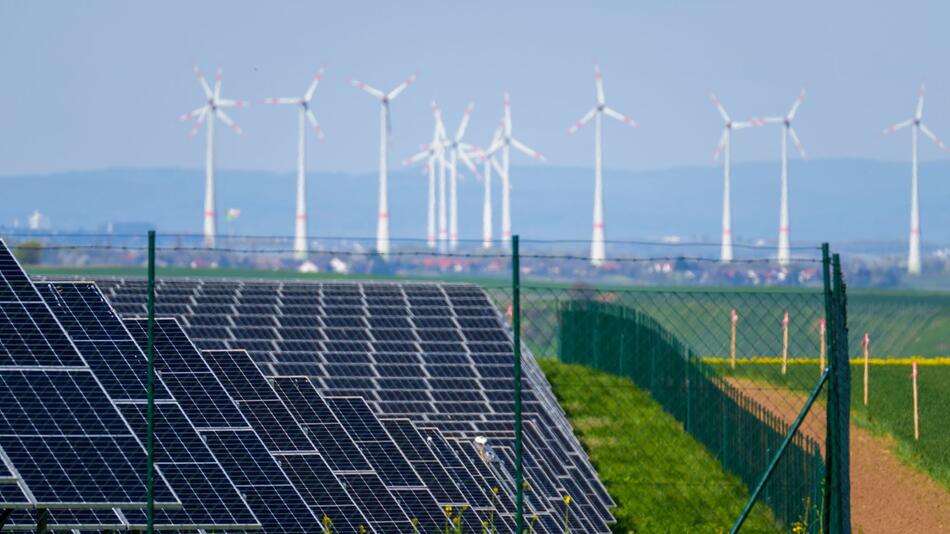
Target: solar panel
[245, 459]
[437, 354]
[63, 440]
[208, 498]
[304, 456]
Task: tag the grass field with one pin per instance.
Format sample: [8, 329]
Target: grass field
[662, 479]
[890, 406]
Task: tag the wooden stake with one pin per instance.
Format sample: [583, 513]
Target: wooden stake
[913, 375]
[785, 343]
[866, 344]
[824, 347]
[735, 319]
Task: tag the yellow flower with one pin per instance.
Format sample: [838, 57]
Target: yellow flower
[326, 520]
[457, 520]
[415, 522]
[495, 490]
[567, 500]
[448, 509]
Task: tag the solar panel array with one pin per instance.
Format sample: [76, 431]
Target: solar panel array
[436, 355]
[209, 499]
[64, 444]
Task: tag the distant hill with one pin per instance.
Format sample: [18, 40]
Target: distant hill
[837, 200]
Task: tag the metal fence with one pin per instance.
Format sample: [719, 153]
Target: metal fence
[682, 394]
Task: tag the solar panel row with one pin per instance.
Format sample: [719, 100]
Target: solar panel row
[63, 442]
[209, 499]
[438, 355]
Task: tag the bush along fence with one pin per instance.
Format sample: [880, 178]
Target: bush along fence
[803, 482]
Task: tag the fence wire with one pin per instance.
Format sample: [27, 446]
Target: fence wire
[679, 390]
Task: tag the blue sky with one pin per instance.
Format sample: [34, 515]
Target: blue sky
[89, 85]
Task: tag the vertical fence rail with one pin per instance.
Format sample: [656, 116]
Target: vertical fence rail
[150, 413]
[839, 408]
[516, 329]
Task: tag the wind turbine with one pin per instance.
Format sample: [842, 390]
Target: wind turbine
[913, 256]
[784, 255]
[433, 153]
[304, 114]
[385, 128]
[489, 162]
[458, 151]
[504, 143]
[213, 106]
[597, 251]
[725, 145]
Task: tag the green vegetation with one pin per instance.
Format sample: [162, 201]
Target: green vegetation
[890, 406]
[662, 479]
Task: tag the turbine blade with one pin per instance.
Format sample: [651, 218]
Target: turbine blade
[599, 83]
[745, 124]
[797, 141]
[440, 133]
[228, 121]
[507, 120]
[199, 121]
[900, 125]
[419, 156]
[369, 89]
[614, 114]
[760, 121]
[934, 138]
[495, 165]
[795, 104]
[217, 83]
[464, 124]
[201, 80]
[920, 101]
[582, 121]
[316, 125]
[722, 143]
[192, 114]
[718, 104]
[313, 85]
[527, 150]
[468, 163]
[281, 100]
[401, 87]
[229, 103]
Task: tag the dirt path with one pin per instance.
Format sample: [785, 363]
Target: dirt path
[887, 496]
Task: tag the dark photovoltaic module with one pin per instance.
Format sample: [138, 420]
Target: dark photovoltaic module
[436, 355]
[280, 407]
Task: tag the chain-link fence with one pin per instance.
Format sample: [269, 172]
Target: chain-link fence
[678, 392]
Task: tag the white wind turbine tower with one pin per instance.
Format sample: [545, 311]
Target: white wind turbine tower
[382, 225]
[304, 114]
[784, 255]
[433, 153]
[458, 151]
[597, 252]
[505, 143]
[725, 145]
[211, 107]
[913, 256]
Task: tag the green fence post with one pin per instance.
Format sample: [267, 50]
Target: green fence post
[829, 417]
[516, 327]
[150, 414]
[840, 405]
